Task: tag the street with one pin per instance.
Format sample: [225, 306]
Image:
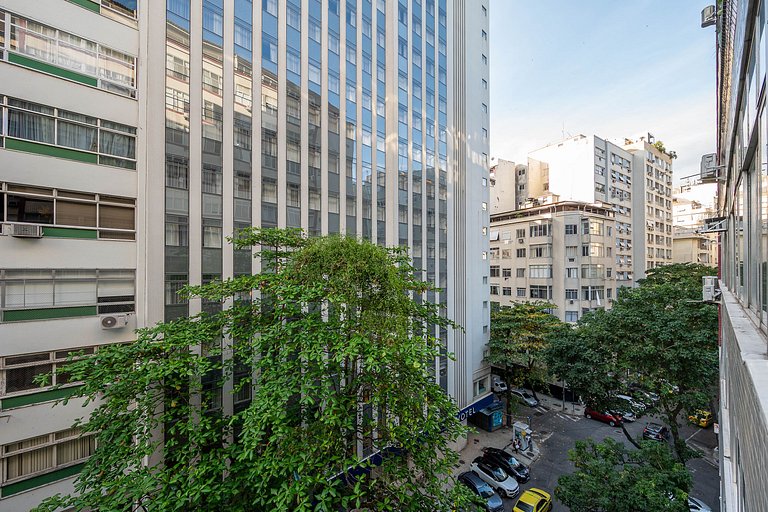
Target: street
[557, 432]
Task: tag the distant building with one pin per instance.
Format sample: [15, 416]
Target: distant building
[509, 186]
[634, 177]
[559, 252]
[693, 203]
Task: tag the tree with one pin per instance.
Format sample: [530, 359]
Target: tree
[325, 360]
[519, 336]
[610, 478]
[659, 336]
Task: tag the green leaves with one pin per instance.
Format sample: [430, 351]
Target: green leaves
[330, 360]
[610, 478]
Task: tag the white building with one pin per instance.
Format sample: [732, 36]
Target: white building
[594, 170]
[693, 203]
[135, 138]
[559, 252]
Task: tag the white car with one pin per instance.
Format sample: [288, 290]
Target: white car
[499, 386]
[636, 406]
[696, 505]
[496, 477]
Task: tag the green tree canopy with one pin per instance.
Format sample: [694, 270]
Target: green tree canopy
[610, 478]
[328, 359]
[659, 336]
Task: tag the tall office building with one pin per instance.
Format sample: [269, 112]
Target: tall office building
[137, 136]
[741, 171]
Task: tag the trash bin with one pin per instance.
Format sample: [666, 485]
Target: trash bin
[490, 418]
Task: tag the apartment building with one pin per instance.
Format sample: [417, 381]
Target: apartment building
[652, 202]
[742, 202]
[594, 170]
[137, 136]
[562, 252]
[69, 173]
[693, 203]
[509, 186]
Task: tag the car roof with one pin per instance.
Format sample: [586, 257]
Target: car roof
[654, 425]
[472, 478]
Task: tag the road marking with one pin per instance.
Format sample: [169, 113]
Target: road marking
[542, 409]
[691, 436]
[568, 417]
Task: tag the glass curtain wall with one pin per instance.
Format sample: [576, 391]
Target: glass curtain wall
[176, 156]
[381, 123]
[269, 103]
[334, 120]
[314, 85]
[243, 128]
[350, 31]
[293, 113]
[442, 161]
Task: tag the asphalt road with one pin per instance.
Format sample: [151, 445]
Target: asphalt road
[558, 433]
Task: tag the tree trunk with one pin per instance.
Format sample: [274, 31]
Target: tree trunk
[626, 433]
[530, 372]
[681, 449]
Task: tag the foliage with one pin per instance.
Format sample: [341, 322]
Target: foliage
[332, 353]
[519, 337]
[609, 477]
[659, 336]
[660, 146]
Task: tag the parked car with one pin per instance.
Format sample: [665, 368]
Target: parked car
[655, 432]
[496, 477]
[525, 397]
[636, 406]
[701, 418]
[508, 463]
[534, 500]
[498, 385]
[492, 501]
[605, 417]
[696, 505]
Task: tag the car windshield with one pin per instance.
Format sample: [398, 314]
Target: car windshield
[485, 490]
[526, 394]
[513, 462]
[498, 474]
[524, 506]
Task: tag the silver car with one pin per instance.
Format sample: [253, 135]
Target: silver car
[696, 505]
[496, 477]
[525, 397]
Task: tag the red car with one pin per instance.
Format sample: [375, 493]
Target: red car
[605, 417]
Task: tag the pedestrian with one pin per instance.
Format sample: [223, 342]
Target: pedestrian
[516, 445]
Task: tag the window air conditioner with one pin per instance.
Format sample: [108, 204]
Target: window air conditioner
[113, 321]
[521, 240]
[570, 301]
[23, 230]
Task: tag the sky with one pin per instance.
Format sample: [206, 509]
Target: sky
[610, 68]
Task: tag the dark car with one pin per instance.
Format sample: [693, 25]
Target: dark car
[508, 463]
[655, 432]
[492, 501]
[605, 417]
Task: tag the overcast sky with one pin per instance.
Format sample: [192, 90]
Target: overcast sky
[605, 67]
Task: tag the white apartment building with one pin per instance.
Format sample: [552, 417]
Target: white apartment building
[692, 203]
[561, 252]
[137, 135]
[594, 170]
[509, 186]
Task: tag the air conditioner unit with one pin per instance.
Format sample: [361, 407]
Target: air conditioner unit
[710, 290]
[521, 240]
[23, 230]
[113, 321]
[571, 260]
[570, 301]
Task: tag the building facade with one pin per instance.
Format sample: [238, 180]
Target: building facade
[742, 135]
[692, 204]
[136, 137]
[633, 176]
[560, 253]
[68, 205]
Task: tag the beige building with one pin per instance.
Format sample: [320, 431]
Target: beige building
[693, 202]
[559, 252]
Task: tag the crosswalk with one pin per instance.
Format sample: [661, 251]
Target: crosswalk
[568, 417]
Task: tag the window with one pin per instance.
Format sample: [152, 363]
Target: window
[593, 250]
[521, 253]
[113, 217]
[570, 251]
[593, 293]
[494, 289]
[572, 316]
[506, 291]
[484, 35]
[112, 70]
[540, 271]
[592, 272]
[592, 227]
[485, 84]
[541, 292]
[521, 292]
[572, 272]
[520, 272]
[484, 108]
[540, 230]
[43, 454]
[541, 251]
[506, 272]
[18, 373]
[520, 233]
[111, 143]
[571, 294]
[494, 271]
[571, 229]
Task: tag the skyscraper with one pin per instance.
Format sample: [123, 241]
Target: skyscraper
[136, 138]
